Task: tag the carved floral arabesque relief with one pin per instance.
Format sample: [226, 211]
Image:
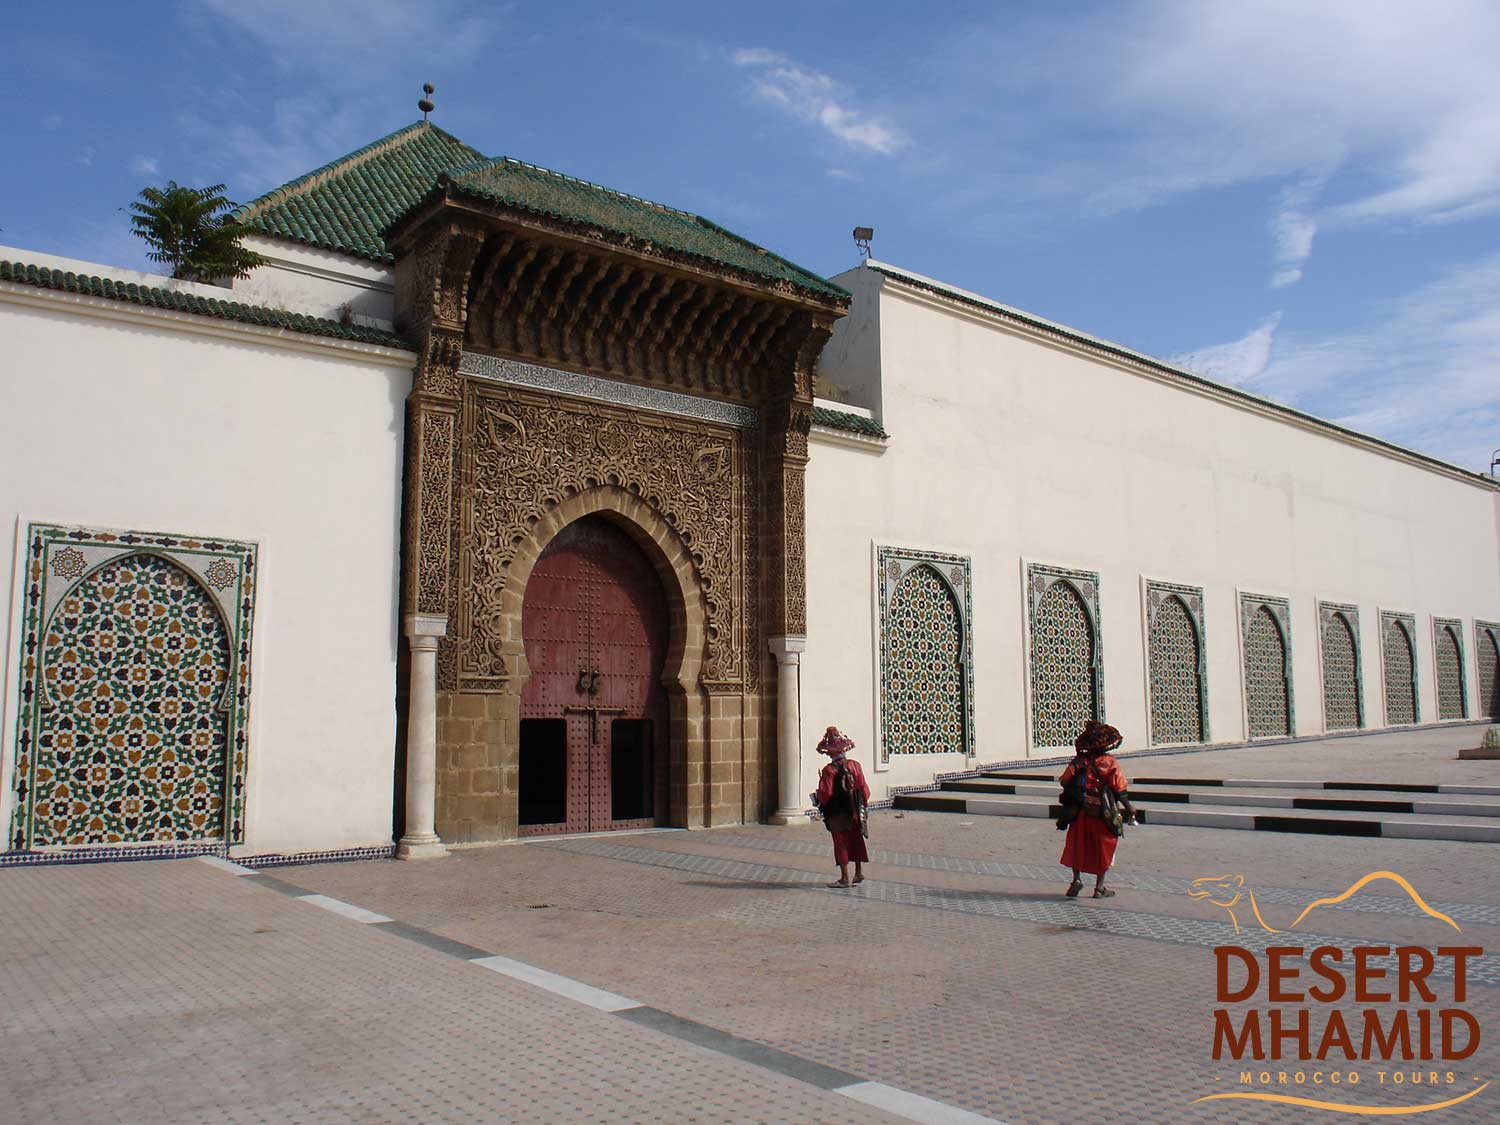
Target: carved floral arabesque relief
[524, 452]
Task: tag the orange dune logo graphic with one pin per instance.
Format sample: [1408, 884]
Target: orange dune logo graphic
[1234, 896]
[1230, 891]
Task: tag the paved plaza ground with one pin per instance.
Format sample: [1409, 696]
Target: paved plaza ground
[710, 976]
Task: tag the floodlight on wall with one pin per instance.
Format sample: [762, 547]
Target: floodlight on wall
[1495, 464]
[862, 236]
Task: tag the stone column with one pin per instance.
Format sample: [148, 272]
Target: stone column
[788, 651]
[420, 841]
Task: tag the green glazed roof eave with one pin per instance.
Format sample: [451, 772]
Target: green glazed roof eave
[847, 421]
[349, 204]
[173, 300]
[346, 204]
[553, 195]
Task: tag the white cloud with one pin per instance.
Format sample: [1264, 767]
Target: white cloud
[52, 121]
[1423, 371]
[345, 39]
[815, 97]
[1292, 230]
[1396, 108]
[1238, 361]
[839, 174]
[144, 166]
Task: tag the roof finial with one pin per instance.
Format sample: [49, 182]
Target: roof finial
[425, 105]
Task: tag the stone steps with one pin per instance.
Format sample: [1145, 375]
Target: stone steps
[1312, 799]
[1401, 811]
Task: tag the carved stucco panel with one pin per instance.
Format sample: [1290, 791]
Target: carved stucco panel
[525, 452]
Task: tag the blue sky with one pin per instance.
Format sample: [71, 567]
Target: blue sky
[1302, 199]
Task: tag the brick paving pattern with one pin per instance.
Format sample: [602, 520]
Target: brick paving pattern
[174, 991]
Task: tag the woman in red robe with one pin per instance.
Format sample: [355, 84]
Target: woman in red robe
[1090, 845]
[843, 802]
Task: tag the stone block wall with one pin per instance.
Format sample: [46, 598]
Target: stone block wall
[478, 784]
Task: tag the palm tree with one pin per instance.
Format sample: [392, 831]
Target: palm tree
[188, 230]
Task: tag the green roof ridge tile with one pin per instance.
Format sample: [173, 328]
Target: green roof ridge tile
[348, 204]
[740, 254]
[845, 420]
[44, 277]
[345, 204]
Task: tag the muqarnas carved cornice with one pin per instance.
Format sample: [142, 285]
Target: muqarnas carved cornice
[572, 298]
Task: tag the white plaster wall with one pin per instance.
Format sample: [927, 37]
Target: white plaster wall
[1006, 448]
[120, 421]
[319, 283]
[851, 358]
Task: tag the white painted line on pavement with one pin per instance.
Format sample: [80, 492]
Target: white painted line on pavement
[563, 986]
[348, 910]
[227, 865]
[903, 1103]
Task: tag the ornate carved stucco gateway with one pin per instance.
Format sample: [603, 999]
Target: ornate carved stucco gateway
[524, 452]
[559, 369]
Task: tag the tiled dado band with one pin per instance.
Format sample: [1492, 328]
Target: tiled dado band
[189, 851]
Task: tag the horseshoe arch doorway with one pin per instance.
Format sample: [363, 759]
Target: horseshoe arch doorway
[593, 738]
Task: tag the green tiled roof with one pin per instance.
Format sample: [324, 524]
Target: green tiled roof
[842, 420]
[346, 205]
[526, 187]
[110, 289]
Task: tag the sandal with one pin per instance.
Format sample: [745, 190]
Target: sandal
[1074, 887]
[1103, 892]
[859, 878]
[840, 883]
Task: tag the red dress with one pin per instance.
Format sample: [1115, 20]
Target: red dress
[1090, 846]
[847, 846]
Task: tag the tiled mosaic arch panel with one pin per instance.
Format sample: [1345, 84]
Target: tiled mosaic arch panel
[134, 688]
[1398, 641]
[1487, 661]
[1448, 654]
[926, 683]
[1343, 680]
[1179, 686]
[1265, 628]
[1067, 681]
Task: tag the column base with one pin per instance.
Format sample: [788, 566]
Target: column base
[787, 817]
[420, 847]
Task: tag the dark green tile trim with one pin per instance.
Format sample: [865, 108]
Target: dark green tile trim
[170, 299]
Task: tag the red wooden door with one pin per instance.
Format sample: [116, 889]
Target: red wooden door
[593, 713]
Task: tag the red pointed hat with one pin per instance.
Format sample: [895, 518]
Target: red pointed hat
[1097, 738]
[835, 742]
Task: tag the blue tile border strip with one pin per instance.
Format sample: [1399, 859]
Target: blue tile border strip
[123, 854]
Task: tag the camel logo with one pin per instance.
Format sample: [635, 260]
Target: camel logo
[1230, 891]
[1293, 1012]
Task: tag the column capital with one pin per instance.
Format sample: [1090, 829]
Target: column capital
[788, 647]
[425, 625]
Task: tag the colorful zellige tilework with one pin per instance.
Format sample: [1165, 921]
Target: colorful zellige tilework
[1065, 687]
[1487, 661]
[1448, 647]
[926, 662]
[1398, 649]
[131, 742]
[1268, 665]
[135, 681]
[1343, 706]
[926, 706]
[1175, 616]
